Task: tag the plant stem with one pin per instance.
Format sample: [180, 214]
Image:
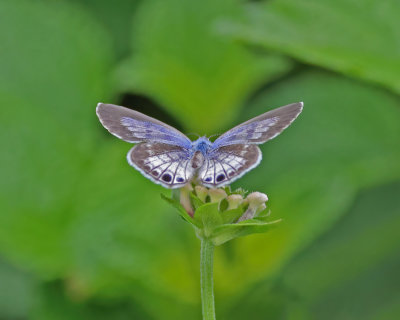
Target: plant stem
[206, 279]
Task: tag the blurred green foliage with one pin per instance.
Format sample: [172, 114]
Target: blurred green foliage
[181, 61]
[84, 236]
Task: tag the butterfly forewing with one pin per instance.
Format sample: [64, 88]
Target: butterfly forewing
[133, 126]
[228, 163]
[262, 128]
[164, 164]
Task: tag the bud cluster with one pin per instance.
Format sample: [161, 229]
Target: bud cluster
[254, 203]
[221, 214]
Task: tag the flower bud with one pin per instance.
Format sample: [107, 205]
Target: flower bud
[234, 200]
[216, 195]
[256, 198]
[261, 208]
[256, 202]
[201, 192]
[185, 199]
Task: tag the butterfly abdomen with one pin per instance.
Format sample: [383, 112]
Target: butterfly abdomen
[200, 147]
[197, 160]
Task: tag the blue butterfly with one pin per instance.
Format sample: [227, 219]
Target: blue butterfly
[167, 157]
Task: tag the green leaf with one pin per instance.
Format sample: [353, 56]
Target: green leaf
[52, 76]
[117, 17]
[232, 215]
[196, 202]
[18, 294]
[209, 217]
[360, 244]
[181, 61]
[181, 210]
[356, 38]
[228, 232]
[53, 303]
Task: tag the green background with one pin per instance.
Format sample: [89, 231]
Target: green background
[85, 236]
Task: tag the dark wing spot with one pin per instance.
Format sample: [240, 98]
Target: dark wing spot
[231, 173]
[208, 179]
[180, 179]
[166, 177]
[220, 177]
[155, 173]
[147, 168]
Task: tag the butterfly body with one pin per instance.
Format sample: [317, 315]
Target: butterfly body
[168, 157]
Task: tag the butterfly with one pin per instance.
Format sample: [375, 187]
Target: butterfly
[168, 157]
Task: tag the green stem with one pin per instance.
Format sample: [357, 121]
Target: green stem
[206, 281]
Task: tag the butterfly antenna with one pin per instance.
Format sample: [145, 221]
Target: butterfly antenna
[193, 133]
[214, 135]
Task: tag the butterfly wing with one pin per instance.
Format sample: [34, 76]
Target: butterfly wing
[228, 163]
[164, 164]
[133, 126]
[262, 128]
[162, 152]
[235, 152]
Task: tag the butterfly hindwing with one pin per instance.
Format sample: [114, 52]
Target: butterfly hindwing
[164, 164]
[262, 128]
[228, 163]
[133, 126]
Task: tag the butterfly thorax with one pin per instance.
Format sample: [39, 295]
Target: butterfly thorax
[201, 144]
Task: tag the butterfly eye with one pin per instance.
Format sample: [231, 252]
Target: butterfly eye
[220, 177]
